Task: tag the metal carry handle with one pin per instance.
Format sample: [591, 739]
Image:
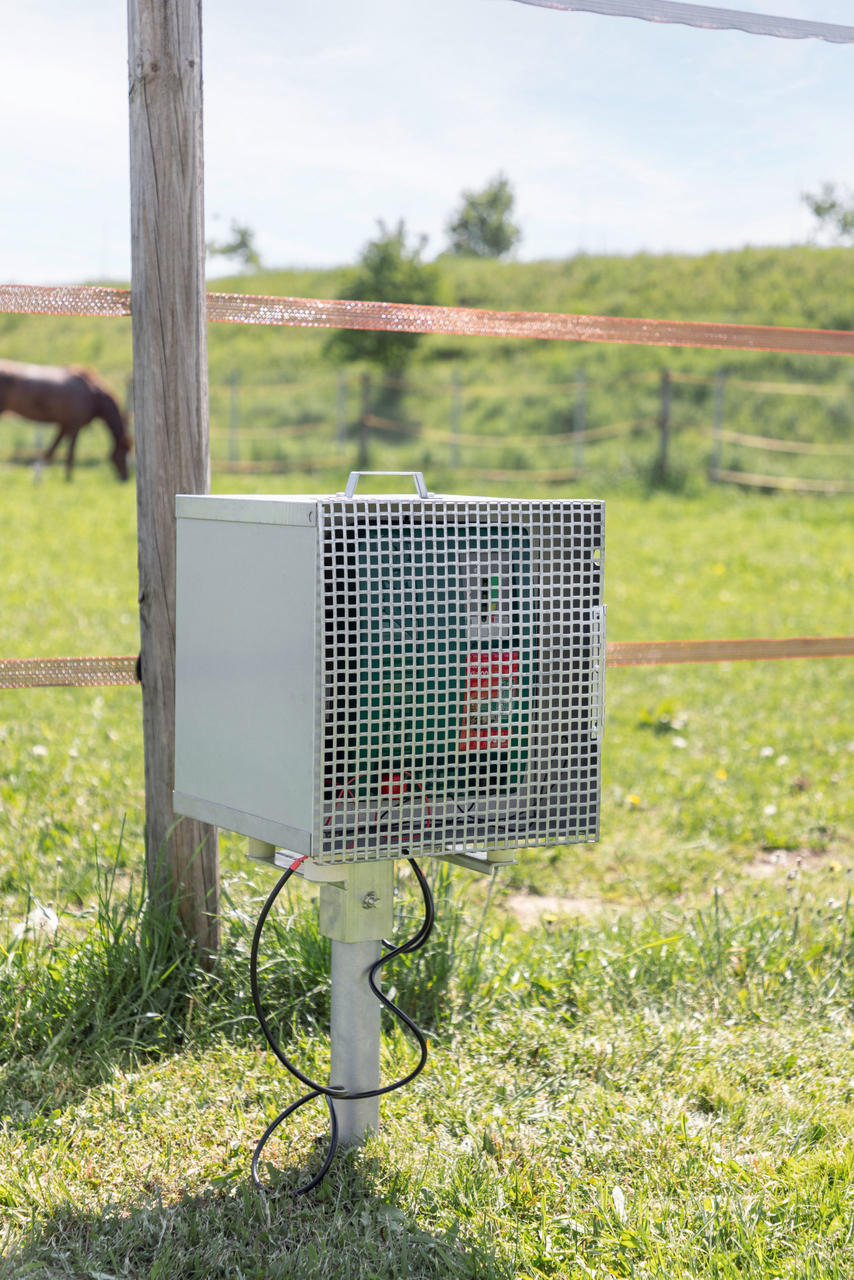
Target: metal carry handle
[597, 672]
[416, 476]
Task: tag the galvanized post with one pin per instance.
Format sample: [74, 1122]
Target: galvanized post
[355, 1038]
[356, 913]
[355, 903]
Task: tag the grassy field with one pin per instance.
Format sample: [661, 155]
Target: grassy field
[640, 1051]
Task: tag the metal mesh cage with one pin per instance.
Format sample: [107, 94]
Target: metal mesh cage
[461, 666]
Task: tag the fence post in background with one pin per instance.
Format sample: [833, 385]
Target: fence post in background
[456, 416]
[362, 455]
[661, 463]
[718, 427]
[233, 414]
[170, 413]
[579, 422]
[341, 410]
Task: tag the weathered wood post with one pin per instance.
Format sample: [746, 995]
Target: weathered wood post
[233, 415]
[362, 456]
[456, 417]
[341, 411]
[660, 468]
[579, 422]
[170, 411]
[718, 425]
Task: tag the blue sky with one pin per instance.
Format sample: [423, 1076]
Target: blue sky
[617, 135]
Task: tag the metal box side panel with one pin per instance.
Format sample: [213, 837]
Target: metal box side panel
[245, 668]
[250, 508]
[256, 827]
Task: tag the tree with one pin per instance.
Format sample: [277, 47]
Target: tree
[482, 228]
[240, 246]
[832, 212]
[389, 270]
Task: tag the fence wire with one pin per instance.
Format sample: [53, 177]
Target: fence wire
[406, 317]
[35, 673]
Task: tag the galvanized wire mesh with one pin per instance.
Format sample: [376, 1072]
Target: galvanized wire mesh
[462, 663]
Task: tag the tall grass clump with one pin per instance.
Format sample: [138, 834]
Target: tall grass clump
[130, 987]
[71, 1006]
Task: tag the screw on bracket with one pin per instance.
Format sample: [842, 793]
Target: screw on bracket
[370, 900]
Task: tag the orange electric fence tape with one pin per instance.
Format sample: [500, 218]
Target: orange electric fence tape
[35, 673]
[32, 673]
[643, 653]
[406, 317]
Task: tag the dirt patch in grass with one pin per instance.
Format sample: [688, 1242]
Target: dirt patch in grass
[530, 909]
[773, 861]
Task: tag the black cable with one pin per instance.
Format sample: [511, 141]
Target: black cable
[331, 1092]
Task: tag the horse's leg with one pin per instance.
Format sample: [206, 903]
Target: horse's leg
[48, 453]
[69, 457]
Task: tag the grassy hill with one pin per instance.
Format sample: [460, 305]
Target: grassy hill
[282, 399]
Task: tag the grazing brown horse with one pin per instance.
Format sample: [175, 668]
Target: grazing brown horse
[69, 397]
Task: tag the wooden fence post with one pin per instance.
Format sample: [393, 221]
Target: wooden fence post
[170, 412]
[341, 411]
[456, 417]
[233, 414]
[662, 461]
[579, 422]
[362, 454]
[718, 427]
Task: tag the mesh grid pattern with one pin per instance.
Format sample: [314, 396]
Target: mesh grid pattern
[461, 658]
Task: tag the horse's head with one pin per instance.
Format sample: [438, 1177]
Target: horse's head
[119, 456]
[104, 405]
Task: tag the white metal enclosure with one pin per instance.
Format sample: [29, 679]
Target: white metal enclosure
[373, 677]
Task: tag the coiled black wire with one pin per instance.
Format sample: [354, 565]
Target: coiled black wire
[331, 1092]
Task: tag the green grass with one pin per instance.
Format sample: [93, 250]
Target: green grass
[655, 1079]
[662, 1094]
